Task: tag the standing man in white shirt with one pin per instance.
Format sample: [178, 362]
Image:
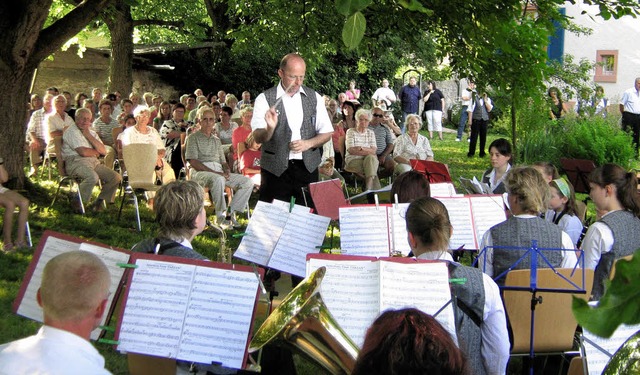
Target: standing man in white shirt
[630, 109]
[292, 123]
[73, 296]
[384, 95]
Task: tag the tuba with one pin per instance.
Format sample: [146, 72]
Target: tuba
[303, 322]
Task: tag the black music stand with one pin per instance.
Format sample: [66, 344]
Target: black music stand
[577, 171]
[532, 254]
[435, 172]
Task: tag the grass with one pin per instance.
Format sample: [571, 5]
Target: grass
[107, 229]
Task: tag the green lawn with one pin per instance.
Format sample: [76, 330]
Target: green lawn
[107, 229]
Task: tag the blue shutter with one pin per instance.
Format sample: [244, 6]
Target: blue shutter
[555, 51]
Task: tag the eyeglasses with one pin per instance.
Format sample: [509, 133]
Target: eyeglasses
[294, 78]
[378, 115]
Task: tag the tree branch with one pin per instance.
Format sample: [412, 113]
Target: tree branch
[51, 38]
[152, 22]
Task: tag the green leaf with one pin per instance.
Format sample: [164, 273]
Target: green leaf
[349, 7]
[415, 6]
[353, 30]
[619, 305]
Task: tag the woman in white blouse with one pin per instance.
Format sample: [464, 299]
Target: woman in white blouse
[411, 145]
[361, 150]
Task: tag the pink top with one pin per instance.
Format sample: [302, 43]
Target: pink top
[350, 95]
[239, 135]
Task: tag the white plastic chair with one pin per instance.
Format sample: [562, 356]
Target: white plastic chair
[140, 161]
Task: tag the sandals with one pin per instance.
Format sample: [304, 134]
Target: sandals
[8, 248]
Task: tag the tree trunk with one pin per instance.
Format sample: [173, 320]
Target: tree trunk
[514, 154]
[120, 26]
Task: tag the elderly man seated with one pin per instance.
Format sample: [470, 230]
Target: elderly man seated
[81, 148]
[209, 168]
[384, 141]
[73, 296]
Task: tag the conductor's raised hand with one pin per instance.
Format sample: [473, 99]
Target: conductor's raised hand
[271, 117]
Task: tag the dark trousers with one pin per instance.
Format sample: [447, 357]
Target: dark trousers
[478, 127]
[289, 184]
[632, 120]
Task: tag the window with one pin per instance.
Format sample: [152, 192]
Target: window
[606, 66]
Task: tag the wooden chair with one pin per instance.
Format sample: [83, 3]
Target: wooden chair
[555, 324]
[140, 159]
[576, 366]
[140, 364]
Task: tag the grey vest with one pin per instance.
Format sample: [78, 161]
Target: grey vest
[275, 152]
[479, 111]
[469, 311]
[518, 232]
[626, 239]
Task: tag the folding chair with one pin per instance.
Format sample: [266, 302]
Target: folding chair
[140, 160]
[63, 177]
[435, 172]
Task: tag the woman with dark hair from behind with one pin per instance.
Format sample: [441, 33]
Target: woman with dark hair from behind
[481, 322]
[410, 186]
[617, 233]
[409, 342]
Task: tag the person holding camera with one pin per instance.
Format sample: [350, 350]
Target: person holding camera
[10, 200]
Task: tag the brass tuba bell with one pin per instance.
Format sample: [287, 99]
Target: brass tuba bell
[303, 322]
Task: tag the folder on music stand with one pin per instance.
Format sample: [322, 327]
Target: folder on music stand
[577, 171]
[435, 172]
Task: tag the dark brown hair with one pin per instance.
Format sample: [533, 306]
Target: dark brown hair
[626, 184]
[409, 186]
[409, 342]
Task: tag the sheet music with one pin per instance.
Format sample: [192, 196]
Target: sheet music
[487, 211]
[424, 286]
[350, 291]
[364, 231]
[461, 219]
[442, 189]
[471, 186]
[217, 323]
[155, 308]
[596, 359]
[302, 234]
[287, 205]
[54, 246]
[398, 228]
[264, 229]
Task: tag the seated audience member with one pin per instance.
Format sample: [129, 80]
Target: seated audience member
[141, 132]
[210, 169]
[500, 156]
[249, 163]
[384, 142]
[338, 132]
[548, 170]
[73, 295]
[171, 133]
[411, 145]
[163, 114]
[409, 186]
[617, 233]
[81, 148]
[409, 341]
[104, 126]
[129, 121]
[242, 132]
[528, 195]
[361, 148]
[349, 110]
[92, 106]
[390, 122]
[562, 209]
[224, 130]
[486, 344]
[10, 199]
[127, 109]
[58, 120]
[38, 133]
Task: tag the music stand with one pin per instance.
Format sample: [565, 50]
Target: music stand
[532, 254]
[577, 171]
[328, 196]
[435, 172]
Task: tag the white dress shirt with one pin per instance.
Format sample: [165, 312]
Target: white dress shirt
[631, 100]
[495, 338]
[293, 109]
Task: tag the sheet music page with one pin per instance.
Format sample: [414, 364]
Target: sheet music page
[264, 229]
[483, 187]
[487, 211]
[364, 231]
[287, 205]
[469, 186]
[424, 286]
[350, 291]
[462, 221]
[29, 307]
[596, 359]
[302, 235]
[442, 189]
[155, 310]
[398, 228]
[216, 327]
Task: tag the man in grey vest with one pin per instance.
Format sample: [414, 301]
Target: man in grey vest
[292, 124]
[478, 112]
